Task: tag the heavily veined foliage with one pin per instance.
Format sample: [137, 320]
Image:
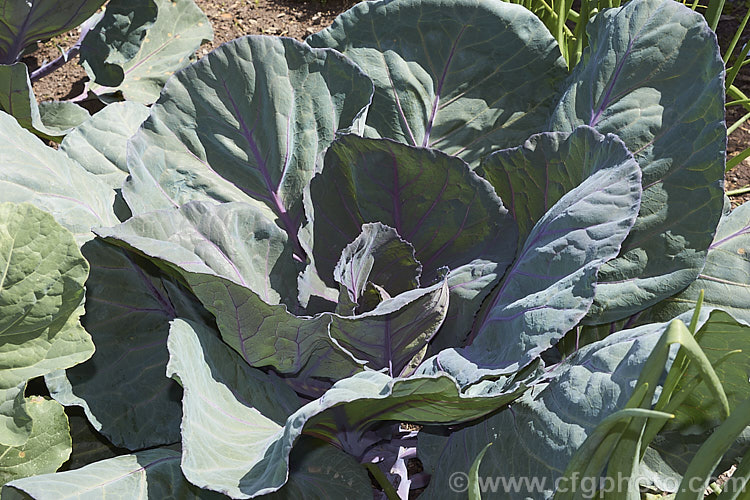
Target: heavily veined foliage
[293, 248]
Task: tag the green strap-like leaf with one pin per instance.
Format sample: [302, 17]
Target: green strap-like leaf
[537, 436]
[719, 335]
[653, 75]
[466, 77]
[169, 44]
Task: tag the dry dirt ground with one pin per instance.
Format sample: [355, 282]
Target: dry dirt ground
[299, 18]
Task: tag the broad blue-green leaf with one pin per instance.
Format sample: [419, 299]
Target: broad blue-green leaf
[653, 75]
[141, 476]
[244, 451]
[26, 21]
[123, 388]
[49, 119]
[550, 286]
[32, 172]
[235, 240]
[247, 122]
[378, 256]
[61, 117]
[129, 305]
[233, 259]
[99, 144]
[210, 247]
[317, 468]
[116, 39]
[539, 434]
[397, 330]
[47, 447]
[466, 77]
[41, 291]
[179, 29]
[536, 437]
[531, 178]
[726, 275]
[451, 216]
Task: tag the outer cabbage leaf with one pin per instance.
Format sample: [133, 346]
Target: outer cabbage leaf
[50, 119]
[550, 286]
[247, 122]
[212, 458]
[179, 29]
[235, 240]
[31, 172]
[533, 177]
[653, 75]
[141, 476]
[317, 467]
[99, 144]
[41, 291]
[122, 388]
[465, 77]
[538, 435]
[726, 275]
[232, 258]
[124, 288]
[451, 216]
[116, 39]
[26, 21]
[47, 447]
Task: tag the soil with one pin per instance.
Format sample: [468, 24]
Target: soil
[298, 19]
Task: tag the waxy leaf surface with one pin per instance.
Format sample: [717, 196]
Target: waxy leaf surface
[725, 279]
[48, 119]
[465, 77]
[140, 476]
[451, 216]
[26, 21]
[246, 122]
[653, 75]
[116, 39]
[41, 292]
[169, 44]
[212, 457]
[550, 286]
[32, 172]
[99, 144]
